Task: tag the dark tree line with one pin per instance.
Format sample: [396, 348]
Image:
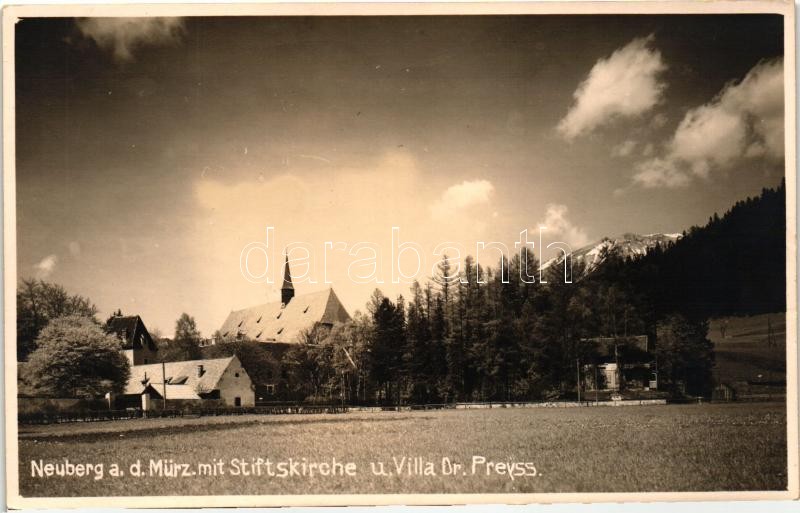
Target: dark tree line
[479, 338]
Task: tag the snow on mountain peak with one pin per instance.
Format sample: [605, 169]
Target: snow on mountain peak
[628, 245]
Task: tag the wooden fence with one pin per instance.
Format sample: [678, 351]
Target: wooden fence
[293, 408]
[102, 415]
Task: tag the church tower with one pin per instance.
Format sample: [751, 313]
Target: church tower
[287, 290]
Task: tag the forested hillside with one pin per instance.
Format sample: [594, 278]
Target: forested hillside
[734, 265]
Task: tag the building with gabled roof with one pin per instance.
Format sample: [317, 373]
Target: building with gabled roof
[220, 378]
[624, 362]
[137, 344]
[282, 322]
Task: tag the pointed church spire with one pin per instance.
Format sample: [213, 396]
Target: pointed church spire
[287, 290]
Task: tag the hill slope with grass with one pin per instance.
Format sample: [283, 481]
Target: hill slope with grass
[750, 353]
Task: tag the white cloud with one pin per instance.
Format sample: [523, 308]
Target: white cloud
[659, 172]
[623, 149]
[709, 134]
[626, 84]
[559, 226]
[745, 120]
[466, 194]
[46, 266]
[122, 36]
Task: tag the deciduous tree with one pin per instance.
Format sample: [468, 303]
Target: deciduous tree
[37, 303]
[75, 357]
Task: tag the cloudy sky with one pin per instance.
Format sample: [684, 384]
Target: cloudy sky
[150, 152]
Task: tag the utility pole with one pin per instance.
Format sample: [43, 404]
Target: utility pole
[578, 368]
[164, 384]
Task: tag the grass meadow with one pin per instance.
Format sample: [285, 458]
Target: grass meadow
[707, 447]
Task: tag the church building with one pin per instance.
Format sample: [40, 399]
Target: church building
[281, 322]
[278, 326]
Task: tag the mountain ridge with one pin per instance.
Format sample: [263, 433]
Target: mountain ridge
[629, 245]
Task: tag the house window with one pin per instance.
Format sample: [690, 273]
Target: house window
[237, 401]
[237, 374]
[270, 389]
[146, 361]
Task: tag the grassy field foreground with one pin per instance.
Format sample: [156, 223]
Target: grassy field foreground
[629, 449]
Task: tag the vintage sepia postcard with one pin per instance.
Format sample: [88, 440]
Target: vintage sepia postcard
[357, 254]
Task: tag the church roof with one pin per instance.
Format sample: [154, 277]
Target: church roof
[275, 322]
[178, 373]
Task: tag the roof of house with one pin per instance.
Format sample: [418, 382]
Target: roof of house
[276, 322]
[131, 330]
[179, 373]
[606, 344]
[173, 391]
